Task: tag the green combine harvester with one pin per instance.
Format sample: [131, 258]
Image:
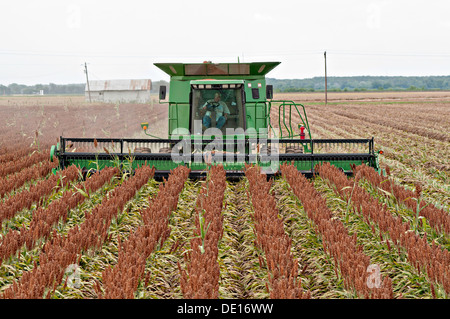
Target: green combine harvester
[221, 113]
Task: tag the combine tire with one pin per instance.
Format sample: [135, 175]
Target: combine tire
[142, 150]
[294, 149]
[165, 150]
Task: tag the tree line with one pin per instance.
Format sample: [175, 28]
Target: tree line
[51, 88]
[58, 89]
[342, 83]
[361, 83]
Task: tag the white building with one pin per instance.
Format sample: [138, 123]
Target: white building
[117, 91]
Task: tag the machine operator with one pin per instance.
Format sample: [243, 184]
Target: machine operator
[219, 107]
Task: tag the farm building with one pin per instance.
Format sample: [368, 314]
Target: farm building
[137, 91]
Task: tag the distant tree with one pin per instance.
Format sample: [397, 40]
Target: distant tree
[52, 88]
[4, 90]
[16, 88]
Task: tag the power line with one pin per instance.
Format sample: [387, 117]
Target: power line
[393, 54]
[231, 54]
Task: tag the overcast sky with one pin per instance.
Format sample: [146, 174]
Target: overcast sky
[49, 40]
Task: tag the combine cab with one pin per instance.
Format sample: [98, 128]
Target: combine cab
[221, 113]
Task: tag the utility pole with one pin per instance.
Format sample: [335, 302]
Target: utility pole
[326, 86]
[87, 81]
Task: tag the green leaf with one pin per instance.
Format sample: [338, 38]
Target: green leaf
[82, 192]
[385, 192]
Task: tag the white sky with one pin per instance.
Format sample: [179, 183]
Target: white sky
[49, 40]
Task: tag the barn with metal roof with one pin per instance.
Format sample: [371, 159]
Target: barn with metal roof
[119, 91]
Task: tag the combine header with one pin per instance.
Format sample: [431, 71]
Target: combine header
[221, 113]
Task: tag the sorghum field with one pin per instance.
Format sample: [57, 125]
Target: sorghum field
[120, 236]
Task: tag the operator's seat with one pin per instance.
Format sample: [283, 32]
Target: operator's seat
[233, 117]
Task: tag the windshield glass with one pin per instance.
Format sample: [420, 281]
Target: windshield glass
[221, 108]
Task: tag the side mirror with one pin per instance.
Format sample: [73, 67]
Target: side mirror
[269, 91]
[255, 93]
[162, 92]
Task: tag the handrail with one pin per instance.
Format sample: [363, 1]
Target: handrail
[289, 128]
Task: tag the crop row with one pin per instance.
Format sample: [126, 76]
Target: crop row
[348, 256]
[74, 119]
[208, 264]
[11, 155]
[36, 192]
[271, 237]
[44, 219]
[432, 259]
[18, 179]
[21, 162]
[121, 281]
[201, 278]
[439, 219]
[61, 251]
[424, 159]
